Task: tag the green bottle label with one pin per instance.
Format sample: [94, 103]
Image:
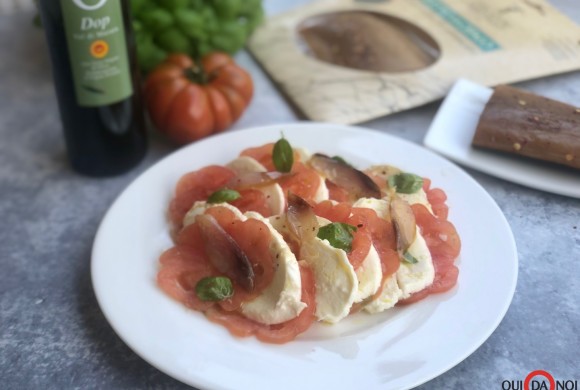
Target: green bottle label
[97, 50]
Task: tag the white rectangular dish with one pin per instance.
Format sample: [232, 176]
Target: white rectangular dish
[453, 128]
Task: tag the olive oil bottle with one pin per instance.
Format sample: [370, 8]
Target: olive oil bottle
[96, 78]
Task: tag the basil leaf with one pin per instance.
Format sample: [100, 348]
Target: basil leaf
[341, 160]
[283, 156]
[214, 288]
[223, 196]
[338, 234]
[405, 183]
[409, 258]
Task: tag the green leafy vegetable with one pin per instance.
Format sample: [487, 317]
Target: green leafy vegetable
[214, 288]
[338, 234]
[174, 5]
[157, 20]
[405, 183]
[409, 258]
[223, 196]
[283, 156]
[173, 41]
[193, 27]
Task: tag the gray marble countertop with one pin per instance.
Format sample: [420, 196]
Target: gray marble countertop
[52, 332]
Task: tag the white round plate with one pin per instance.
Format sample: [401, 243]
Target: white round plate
[398, 349]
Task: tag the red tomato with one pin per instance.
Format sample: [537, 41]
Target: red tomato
[188, 101]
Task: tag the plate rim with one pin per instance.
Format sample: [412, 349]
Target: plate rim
[200, 380]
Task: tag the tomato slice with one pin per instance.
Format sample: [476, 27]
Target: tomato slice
[196, 186]
[334, 212]
[199, 185]
[263, 154]
[181, 268]
[304, 181]
[437, 198]
[440, 235]
[253, 200]
[337, 193]
[444, 244]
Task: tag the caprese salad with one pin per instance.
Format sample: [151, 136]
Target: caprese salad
[280, 238]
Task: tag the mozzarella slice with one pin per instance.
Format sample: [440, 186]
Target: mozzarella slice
[245, 164]
[274, 198]
[419, 197]
[388, 298]
[281, 300]
[335, 279]
[409, 278]
[369, 275]
[415, 277]
[322, 192]
[380, 206]
[274, 194]
[303, 153]
[384, 171]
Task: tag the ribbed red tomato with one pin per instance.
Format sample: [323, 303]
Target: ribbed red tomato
[188, 101]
